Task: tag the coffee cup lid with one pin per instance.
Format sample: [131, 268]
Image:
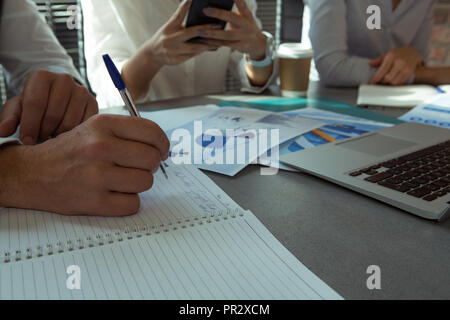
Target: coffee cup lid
[295, 51]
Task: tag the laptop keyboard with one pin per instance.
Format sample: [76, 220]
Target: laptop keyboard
[423, 174]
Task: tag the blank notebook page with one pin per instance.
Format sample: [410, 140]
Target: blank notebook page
[232, 258]
[395, 96]
[186, 195]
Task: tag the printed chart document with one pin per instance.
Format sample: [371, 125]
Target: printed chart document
[228, 140]
[190, 241]
[337, 127]
[401, 97]
[434, 113]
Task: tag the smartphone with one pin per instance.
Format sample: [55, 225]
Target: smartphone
[196, 16]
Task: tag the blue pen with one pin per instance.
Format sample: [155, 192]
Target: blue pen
[124, 93]
[439, 90]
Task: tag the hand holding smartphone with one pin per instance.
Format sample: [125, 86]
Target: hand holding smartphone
[197, 17]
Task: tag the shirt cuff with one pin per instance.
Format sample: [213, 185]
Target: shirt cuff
[12, 140]
[67, 70]
[16, 88]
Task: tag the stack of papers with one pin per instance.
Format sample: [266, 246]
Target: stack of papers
[226, 141]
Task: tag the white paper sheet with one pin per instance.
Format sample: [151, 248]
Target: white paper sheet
[174, 118]
[243, 120]
[389, 96]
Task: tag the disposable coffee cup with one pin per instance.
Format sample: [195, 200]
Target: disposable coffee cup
[295, 66]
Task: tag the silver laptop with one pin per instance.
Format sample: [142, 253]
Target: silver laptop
[406, 166]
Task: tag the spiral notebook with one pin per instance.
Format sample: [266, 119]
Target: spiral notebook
[189, 241]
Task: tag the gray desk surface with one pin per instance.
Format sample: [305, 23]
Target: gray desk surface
[337, 233]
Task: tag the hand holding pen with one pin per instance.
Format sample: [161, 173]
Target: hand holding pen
[126, 97]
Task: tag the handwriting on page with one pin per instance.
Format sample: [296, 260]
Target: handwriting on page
[189, 194]
[207, 204]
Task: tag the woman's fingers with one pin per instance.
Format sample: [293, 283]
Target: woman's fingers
[219, 43]
[400, 79]
[395, 70]
[385, 67]
[399, 74]
[192, 32]
[223, 43]
[228, 35]
[193, 49]
[243, 9]
[375, 63]
[177, 19]
[225, 15]
[396, 67]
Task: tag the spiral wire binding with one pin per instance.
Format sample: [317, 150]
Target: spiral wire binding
[108, 238]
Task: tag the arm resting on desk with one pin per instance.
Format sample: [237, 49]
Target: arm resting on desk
[329, 39]
[432, 75]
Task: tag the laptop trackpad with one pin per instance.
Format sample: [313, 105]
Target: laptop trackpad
[377, 145]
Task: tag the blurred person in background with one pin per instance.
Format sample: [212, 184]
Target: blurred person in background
[148, 41]
[348, 53]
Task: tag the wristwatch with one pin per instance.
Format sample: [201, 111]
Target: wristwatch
[270, 48]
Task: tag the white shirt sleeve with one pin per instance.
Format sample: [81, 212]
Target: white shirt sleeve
[105, 32]
[120, 28]
[28, 44]
[10, 140]
[238, 62]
